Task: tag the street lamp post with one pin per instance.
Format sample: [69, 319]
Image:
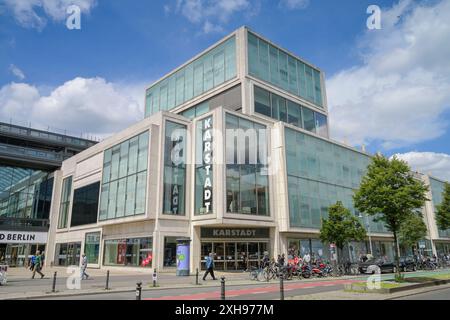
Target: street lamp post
[368, 231]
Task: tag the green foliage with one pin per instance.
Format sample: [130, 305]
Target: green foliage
[399, 277]
[412, 230]
[443, 210]
[341, 226]
[390, 192]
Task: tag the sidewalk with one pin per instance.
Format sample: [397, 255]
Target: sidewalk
[21, 286]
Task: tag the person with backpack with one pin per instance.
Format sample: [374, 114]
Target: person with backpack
[37, 265]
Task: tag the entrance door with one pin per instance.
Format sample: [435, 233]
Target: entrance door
[230, 256]
[242, 255]
[219, 250]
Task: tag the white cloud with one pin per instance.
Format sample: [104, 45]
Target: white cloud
[202, 12]
[88, 105]
[435, 164]
[294, 4]
[398, 95]
[16, 72]
[24, 11]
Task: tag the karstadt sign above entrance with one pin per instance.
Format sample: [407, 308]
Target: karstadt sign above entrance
[249, 233]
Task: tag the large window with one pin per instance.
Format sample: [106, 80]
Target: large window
[92, 247]
[437, 188]
[203, 74]
[246, 167]
[170, 251]
[124, 180]
[279, 108]
[275, 66]
[65, 203]
[174, 168]
[134, 252]
[319, 174]
[85, 205]
[204, 167]
[67, 254]
[24, 193]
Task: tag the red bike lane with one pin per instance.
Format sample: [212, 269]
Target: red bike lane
[215, 295]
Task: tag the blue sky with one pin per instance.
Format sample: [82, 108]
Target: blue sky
[121, 48]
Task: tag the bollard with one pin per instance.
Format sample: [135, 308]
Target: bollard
[222, 288]
[138, 290]
[196, 277]
[54, 282]
[154, 277]
[107, 280]
[281, 287]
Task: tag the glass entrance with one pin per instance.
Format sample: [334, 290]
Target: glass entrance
[231, 255]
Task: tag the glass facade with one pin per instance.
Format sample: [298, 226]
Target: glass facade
[67, 254]
[204, 167]
[246, 167]
[279, 108]
[124, 180]
[201, 75]
[92, 247]
[65, 203]
[270, 64]
[85, 205]
[319, 174]
[437, 189]
[170, 251]
[174, 169]
[133, 252]
[24, 193]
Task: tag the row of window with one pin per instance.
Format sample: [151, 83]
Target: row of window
[124, 179]
[279, 108]
[319, 174]
[246, 174]
[280, 69]
[205, 73]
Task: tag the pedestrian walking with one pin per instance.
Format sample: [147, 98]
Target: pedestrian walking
[37, 265]
[32, 261]
[209, 267]
[84, 262]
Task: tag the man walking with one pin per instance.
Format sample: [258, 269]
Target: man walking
[209, 267]
[37, 265]
[84, 263]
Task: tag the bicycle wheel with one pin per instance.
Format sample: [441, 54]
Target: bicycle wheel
[261, 275]
[253, 275]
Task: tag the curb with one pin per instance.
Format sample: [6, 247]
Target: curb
[397, 289]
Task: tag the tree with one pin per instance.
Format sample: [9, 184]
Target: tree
[390, 193]
[341, 227]
[443, 210]
[412, 230]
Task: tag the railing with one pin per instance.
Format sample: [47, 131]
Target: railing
[10, 223]
[63, 138]
[29, 152]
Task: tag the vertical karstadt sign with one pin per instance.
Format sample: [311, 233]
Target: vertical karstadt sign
[207, 162]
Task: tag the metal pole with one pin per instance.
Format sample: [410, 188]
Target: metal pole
[54, 282]
[107, 280]
[281, 287]
[370, 237]
[154, 277]
[222, 288]
[138, 290]
[196, 277]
